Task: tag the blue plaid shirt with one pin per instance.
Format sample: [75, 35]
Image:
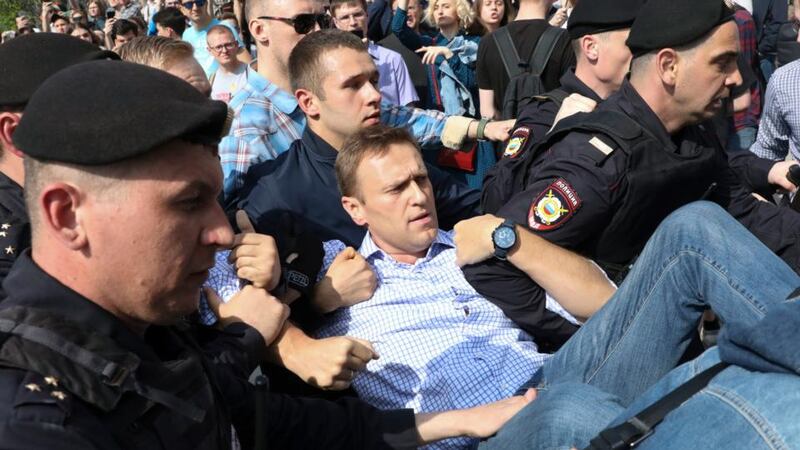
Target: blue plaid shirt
[267, 120]
[442, 346]
[779, 131]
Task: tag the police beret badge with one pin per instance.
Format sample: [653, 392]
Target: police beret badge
[517, 142]
[554, 206]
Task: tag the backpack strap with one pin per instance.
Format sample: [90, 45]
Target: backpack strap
[544, 48]
[639, 427]
[508, 53]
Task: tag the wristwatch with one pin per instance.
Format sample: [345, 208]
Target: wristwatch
[504, 237]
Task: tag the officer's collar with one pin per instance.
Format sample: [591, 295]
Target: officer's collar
[638, 109]
[28, 285]
[572, 84]
[318, 147]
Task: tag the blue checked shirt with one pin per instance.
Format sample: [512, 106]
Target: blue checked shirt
[442, 346]
[267, 120]
[779, 130]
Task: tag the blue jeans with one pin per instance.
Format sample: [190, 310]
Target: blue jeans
[742, 140]
[699, 257]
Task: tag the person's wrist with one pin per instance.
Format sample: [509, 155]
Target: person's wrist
[480, 133]
[472, 129]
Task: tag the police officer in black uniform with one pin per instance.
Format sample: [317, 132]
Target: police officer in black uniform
[594, 70]
[604, 180]
[125, 220]
[25, 63]
[594, 73]
[594, 17]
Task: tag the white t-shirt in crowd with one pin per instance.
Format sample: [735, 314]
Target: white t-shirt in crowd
[224, 84]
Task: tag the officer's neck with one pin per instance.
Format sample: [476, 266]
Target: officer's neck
[80, 277]
[661, 103]
[584, 73]
[334, 139]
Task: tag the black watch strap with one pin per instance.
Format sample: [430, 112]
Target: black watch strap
[502, 253]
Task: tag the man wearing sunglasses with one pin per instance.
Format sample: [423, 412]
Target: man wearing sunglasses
[197, 34]
[267, 118]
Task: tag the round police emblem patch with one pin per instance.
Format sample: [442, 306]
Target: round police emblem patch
[554, 206]
[517, 142]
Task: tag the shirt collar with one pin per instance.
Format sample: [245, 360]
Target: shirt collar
[318, 146]
[28, 285]
[442, 241]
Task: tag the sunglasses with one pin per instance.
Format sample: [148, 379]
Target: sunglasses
[189, 5]
[304, 23]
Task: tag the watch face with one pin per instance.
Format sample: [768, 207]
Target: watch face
[504, 237]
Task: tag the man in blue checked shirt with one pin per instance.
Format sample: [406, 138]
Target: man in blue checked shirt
[267, 118]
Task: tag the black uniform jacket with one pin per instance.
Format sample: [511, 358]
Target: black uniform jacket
[39, 412]
[577, 188]
[302, 182]
[537, 117]
[15, 230]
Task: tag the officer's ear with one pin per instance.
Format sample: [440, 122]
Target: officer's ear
[589, 47]
[59, 206]
[308, 102]
[667, 66]
[355, 208]
[8, 124]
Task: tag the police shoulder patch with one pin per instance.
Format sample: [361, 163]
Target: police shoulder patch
[517, 142]
[554, 206]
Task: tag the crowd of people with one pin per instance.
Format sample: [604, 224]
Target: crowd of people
[350, 224]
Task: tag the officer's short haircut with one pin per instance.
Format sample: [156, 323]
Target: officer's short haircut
[155, 51]
[123, 26]
[171, 18]
[576, 43]
[371, 141]
[336, 4]
[305, 61]
[219, 29]
[640, 63]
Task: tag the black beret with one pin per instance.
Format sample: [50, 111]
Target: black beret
[25, 62]
[101, 112]
[674, 23]
[598, 16]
